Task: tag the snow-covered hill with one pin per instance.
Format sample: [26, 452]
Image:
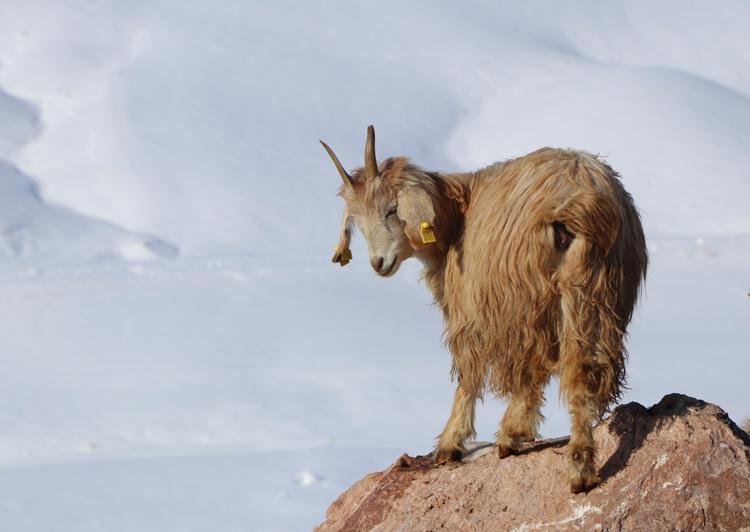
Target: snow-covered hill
[36, 231]
[177, 351]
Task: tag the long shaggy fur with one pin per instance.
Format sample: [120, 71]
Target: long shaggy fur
[537, 269]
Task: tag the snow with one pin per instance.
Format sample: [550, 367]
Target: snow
[178, 352]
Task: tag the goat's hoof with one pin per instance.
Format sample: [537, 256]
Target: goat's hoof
[583, 486]
[582, 472]
[584, 480]
[444, 456]
[503, 451]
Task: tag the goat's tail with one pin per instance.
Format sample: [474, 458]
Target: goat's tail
[593, 280]
[592, 216]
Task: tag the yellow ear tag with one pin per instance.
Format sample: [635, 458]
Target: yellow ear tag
[427, 234]
[346, 256]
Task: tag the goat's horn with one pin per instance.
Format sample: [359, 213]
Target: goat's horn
[371, 163]
[346, 177]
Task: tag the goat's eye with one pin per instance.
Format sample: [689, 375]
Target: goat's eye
[391, 212]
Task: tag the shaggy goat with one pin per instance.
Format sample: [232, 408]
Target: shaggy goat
[536, 264]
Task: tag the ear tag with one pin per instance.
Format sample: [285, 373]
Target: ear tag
[427, 234]
[346, 256]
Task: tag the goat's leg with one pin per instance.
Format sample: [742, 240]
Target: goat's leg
[586, 383]
[592, 355]
[521, 420]
[591, 372]
[584, 413]
[579, 385]
[460, 426]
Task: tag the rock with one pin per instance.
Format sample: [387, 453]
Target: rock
[680, 465]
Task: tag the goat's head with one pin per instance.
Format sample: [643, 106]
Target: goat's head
[394, 213]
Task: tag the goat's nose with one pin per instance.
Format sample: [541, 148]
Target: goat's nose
[377, 263]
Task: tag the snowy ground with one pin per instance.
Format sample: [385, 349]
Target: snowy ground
[177, 351]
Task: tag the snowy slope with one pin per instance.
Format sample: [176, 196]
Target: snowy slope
[179, 353]
[197, 122]
[34, 229]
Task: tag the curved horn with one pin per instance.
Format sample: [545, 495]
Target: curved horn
[371, 163]
[346, 177]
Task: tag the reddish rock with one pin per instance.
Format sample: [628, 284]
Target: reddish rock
[680, 465]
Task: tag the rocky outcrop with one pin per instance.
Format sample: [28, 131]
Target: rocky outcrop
[680, 465]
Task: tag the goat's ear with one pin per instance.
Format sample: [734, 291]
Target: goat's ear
[416, 210]
[342, 254]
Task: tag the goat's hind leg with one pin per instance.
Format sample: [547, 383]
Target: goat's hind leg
[521, 420]
[578, 385]
[592, 358]
[591, 372]
[581, 451]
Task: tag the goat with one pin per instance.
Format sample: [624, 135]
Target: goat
[536, 264]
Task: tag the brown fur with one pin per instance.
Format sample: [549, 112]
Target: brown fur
[537, 269]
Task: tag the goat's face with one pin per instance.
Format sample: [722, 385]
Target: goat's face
[374, 210]
[387, 212]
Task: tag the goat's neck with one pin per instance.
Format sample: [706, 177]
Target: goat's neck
[449, 224]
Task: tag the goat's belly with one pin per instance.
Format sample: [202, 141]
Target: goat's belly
[510, 304]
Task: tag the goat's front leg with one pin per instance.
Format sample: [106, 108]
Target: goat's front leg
[460, 426]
